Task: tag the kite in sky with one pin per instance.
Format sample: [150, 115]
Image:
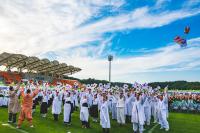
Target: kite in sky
[182, 40]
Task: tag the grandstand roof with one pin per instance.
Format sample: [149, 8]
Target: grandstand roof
[32, 63]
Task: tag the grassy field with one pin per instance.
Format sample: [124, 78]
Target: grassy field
[179, 123]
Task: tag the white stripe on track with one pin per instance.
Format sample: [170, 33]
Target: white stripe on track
[12, 127]
[152, 129]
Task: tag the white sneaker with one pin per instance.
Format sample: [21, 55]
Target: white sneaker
[167, 129]
[17, 127]
[161, 128]
[31, 126]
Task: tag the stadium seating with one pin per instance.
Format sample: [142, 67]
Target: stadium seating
[10, 77]
[18, 77]
[64, 81]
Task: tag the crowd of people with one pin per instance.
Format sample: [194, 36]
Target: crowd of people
[137, 105]
[184, 102]
[4, 98]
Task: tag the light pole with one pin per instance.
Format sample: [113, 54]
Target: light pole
[110, 58]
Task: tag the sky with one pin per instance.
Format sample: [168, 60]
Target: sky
[138, 33]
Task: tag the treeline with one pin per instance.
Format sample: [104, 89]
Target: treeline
[172, 85]
[92, 80]
[178, 85]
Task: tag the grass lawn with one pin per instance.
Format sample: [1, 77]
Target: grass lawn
[179, 123]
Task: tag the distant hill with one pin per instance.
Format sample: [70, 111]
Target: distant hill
[172, 85]
[178, 85]
[91, 81]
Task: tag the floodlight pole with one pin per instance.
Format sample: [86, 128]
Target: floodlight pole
[110, 58]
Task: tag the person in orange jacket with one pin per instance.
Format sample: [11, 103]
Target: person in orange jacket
[26, 107]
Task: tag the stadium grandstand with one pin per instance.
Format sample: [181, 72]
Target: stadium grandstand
[17, 67]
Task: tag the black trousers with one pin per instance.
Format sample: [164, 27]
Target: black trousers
[105, 130]
[55, 117]
[86, 124]
[128, 119]
[70, 117]
[75, 108]
[12, 117]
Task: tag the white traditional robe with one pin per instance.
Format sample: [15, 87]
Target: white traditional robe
[147, 110]
[104, 116]
[162, 113]
[128, 106]
[114, 107]
[67, 109]
[120, 111]
[84, 113]
[138, 113]
[154, 108]
[56, 105]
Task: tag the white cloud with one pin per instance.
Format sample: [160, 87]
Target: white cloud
[169, 58]
[190, 3]
[37, 27]
[161, 3]
[41, 25]
[139, 18]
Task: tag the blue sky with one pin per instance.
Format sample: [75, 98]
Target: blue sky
[138, 33]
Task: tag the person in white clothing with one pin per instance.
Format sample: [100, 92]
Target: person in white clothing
[104, 116]
[154, 108]
[56, 106]
[44, 105]
[147, 110]
[114, 107]
[128, 107]
[138, 116]
[84, 112]
[120, 109]
[162, 112]
[94, 108]
[67, 110]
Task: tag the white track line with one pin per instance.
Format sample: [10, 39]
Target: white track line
[152, 129]
[12, 127]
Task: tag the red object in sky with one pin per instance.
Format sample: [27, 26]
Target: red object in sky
[178, 39]
[187, 30]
